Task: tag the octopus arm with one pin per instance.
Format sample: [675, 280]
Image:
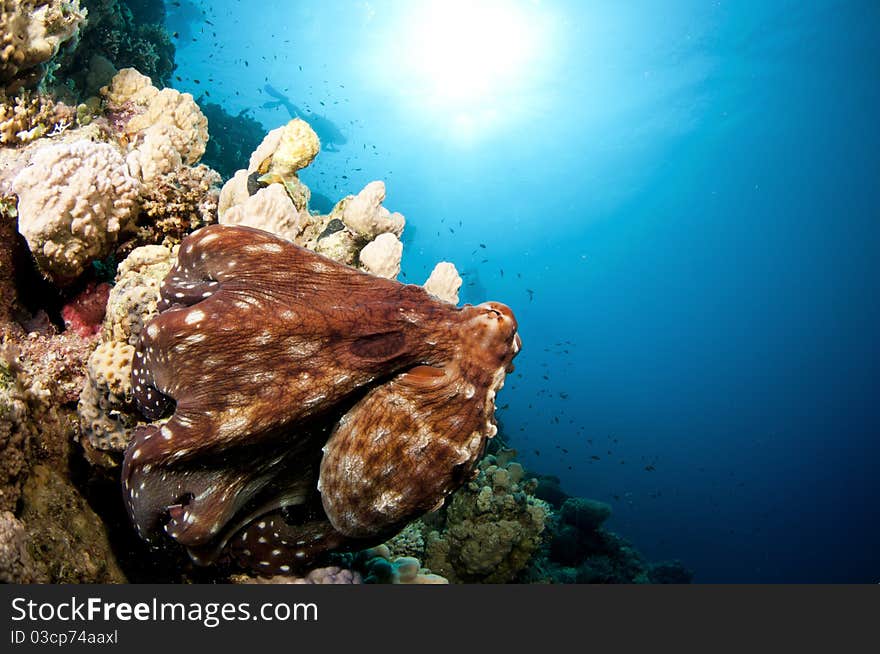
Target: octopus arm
[401, 450]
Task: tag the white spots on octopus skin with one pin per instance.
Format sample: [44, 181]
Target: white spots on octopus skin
[208, 239]
[241, 304]
[314, 400]
[136, 454]
[300, 555]
[263, 338]
[284, 568]
[152, 331]
[276, 552]
[262, 540]
[469, 391]
[194, 339]
[262, 524]
[194, 316]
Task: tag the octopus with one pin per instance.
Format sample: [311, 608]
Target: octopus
[299, 406]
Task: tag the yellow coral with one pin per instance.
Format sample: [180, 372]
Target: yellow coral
[297, 147]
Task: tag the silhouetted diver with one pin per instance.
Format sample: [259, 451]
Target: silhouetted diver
[325, 128]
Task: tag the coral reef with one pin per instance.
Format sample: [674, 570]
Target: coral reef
[134, 299]
[31, 33]
[381, 567]
[104, 402]
[72, 201]
[17, 566]
[327, 575]
[307, 349]
[118, 34]
[578, 549]
[69, 539]
[382, 255]
[488, 532]
[161, 123]
[359, 231]
[28, 116]
[174, 204]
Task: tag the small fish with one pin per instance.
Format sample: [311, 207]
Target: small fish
[531, 294]
[650, 468]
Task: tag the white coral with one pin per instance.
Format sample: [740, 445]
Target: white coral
[444, 282]
[271, 210]
[73, 199]
[184, 125]
[382, 255]
[364, 214]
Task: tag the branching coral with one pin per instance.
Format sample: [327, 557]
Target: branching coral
[28, 116]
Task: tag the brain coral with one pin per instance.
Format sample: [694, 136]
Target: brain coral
[73, 199]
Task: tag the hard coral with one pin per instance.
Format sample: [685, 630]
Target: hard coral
[28, 116]
[492, 527]
[142, 106]
[31, 32]
[73, 199]
[17, 566]
[263, 346]
[174, 204]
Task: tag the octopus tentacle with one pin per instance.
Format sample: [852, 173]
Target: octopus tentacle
[261, 348]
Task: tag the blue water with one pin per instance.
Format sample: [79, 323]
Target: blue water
[679, 201]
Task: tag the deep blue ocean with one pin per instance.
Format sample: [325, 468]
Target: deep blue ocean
[678, 199]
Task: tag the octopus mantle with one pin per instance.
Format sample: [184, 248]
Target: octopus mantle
[313, 407]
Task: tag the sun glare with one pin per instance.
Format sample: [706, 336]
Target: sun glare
[465, 50]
